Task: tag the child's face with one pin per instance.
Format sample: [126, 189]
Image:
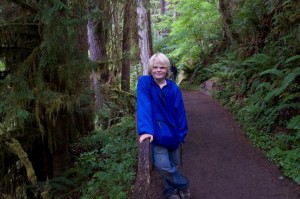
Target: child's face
[159, 72]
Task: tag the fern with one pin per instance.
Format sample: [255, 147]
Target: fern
[263, 86]
[295, 105]
[294, 123]
[253, 111]
[291, 164]
[290, 97]
[272, 71]
[105, 167]
[261, 60]
[286, 82]
[292, 59]
[287, 155]
[61, 184]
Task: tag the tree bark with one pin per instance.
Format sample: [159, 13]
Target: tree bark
[163, 11]
[226, 20]
[97, 52]
[143, 178]
[162, 7]
[145, 40]
[125, 75]
[82, 30]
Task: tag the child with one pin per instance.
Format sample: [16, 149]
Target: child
[161, 117]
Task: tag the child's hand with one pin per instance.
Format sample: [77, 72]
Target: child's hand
[145, 136]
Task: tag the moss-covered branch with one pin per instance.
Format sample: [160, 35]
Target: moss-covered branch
[15, 146]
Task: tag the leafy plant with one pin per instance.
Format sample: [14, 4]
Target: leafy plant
[2, 66]
[105, 167]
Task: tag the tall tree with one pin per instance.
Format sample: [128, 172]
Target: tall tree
[127, 32]
[144, 31]
[162, 7]
[163, 11]
[97, 47]
[224, 7]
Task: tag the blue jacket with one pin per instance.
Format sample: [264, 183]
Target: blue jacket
[161, 112]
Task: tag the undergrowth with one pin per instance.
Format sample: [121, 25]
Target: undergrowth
[104, 165]
[265, 100]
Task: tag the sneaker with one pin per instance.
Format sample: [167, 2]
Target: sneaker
[185, 194]
[174, 196]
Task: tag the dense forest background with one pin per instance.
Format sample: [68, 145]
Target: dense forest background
[68, 71]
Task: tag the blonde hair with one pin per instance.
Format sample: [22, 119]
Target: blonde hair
[159, 59]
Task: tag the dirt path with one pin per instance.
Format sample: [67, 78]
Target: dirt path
[220, 162]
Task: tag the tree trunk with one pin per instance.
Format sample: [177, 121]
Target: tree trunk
[162, 7]
[226, 20]
[84, 119]
[150, 32]
[125, 75]
[97, 52]
[135, 58]
[62, 130]
[145, 42]
[95, 76]
[163, 11]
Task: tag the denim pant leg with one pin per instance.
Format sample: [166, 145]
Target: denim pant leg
[166, 161]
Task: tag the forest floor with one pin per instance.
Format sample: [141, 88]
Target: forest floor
[219, 160]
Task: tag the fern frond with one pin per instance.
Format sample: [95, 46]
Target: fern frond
[291, 59]
[72, 171]
[61, 184]
[264, 86]
[248, 72]
[286, 82]
[62, 180]
[237, 72]
[286, 106]
[294, 123]
[258, 60]
[272, 71]
[252, 110]
[294, 96]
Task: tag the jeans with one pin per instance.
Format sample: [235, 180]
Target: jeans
[167, 161]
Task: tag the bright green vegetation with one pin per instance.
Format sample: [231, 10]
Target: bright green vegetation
[2, 66]
[258, 71]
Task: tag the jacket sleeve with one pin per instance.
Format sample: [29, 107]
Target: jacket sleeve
[144, 107]
[181, 120]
